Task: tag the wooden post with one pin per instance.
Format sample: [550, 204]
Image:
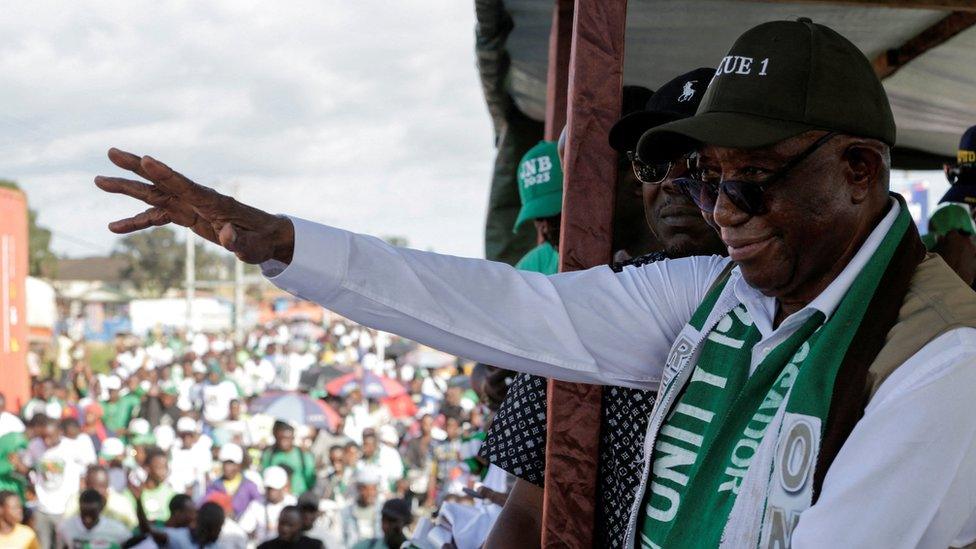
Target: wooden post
[557, 78]
[594, 98]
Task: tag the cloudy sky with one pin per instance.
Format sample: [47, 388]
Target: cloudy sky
[367, 115]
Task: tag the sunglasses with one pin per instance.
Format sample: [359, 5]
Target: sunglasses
[652, 174]
[748, 196]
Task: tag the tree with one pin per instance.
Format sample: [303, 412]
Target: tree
[156, 260]
[41, 260]
[398, 241]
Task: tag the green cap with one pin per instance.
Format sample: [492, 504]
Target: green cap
[781, 79]
[540, 183]
[952, 216]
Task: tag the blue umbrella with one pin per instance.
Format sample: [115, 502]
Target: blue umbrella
[296, 408]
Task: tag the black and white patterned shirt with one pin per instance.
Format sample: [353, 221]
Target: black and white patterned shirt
[516, 440]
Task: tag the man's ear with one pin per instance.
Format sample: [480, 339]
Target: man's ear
[865, 166]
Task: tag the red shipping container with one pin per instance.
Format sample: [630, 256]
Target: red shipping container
[14, 379]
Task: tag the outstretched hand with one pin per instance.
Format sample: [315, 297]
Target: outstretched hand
[253, 235]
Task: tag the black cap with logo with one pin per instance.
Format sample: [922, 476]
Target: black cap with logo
[679, 98]
[779, 80]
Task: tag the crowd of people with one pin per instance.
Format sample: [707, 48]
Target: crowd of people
[171, 447]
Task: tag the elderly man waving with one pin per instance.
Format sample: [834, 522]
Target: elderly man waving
[816, 390]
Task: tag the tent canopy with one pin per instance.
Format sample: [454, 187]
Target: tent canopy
[933, 95]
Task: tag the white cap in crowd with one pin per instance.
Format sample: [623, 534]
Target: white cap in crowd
[112, 448]
[231, 452]
[186, 424]
[165, 436]
[139, 426]
[275, 477]
[112, 383]
[388, 434]
[368, 474]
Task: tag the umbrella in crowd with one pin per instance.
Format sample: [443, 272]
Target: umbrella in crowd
[372, 385]
[297, 409]
[315, 378]
[429, 358]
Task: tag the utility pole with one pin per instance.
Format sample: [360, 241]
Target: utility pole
[190, 278]
[238, 300]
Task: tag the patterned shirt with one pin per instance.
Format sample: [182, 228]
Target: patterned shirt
[516, 440]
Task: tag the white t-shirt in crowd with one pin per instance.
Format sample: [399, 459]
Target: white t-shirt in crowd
[260, 519]
[81, 449]
[107, 533]
[56, 479]
[9, 423]
[216, 400]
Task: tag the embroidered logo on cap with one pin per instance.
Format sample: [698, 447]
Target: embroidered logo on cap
[688, 92]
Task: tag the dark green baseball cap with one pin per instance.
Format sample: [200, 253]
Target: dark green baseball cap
[781, 79]
[540, 183]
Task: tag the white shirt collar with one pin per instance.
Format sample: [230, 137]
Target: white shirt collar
[763, 308]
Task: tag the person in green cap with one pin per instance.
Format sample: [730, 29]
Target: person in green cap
[540, 184]
[952, 230]
[815, 386]
[119, 408]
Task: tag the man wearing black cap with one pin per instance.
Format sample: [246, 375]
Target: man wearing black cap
[952, 230]
[816, 391]
[516, 440]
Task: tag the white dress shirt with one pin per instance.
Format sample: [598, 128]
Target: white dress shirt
[906, 477]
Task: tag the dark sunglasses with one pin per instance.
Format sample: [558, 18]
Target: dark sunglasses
[748, 196]
[653, 174]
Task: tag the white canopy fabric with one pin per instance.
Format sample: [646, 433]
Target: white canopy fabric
[933, 97]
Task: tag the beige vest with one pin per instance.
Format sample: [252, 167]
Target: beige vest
[937, 301]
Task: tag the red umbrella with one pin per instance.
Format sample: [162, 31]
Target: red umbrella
[372, 385]
[401, 406]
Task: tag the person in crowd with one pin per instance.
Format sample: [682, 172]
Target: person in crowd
[203, 533]
[192, 457]
[796, 116]
[156, 491]
[93, 427]
[260, 519]
[44, 401]
[89, 528]
[321, 519]
[395, 517]
[232, 536]
[13, 533]
[284, 453]
[112, 455]
[290, 532]
[374, 454]
[361, 516]
[79, 445]
[447, 456]
[120, 407]
[952, 230]
[56, 476]
[217, 392]
[231, 482]
[119, 505]
[9, 422]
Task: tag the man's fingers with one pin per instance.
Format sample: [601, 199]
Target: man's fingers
[153, 217]
[173, 182]
[127, 161]
[136, 189]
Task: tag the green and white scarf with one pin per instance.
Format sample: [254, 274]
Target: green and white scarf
[746, 446]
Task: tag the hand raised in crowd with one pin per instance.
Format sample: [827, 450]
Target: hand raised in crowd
[251, 234]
